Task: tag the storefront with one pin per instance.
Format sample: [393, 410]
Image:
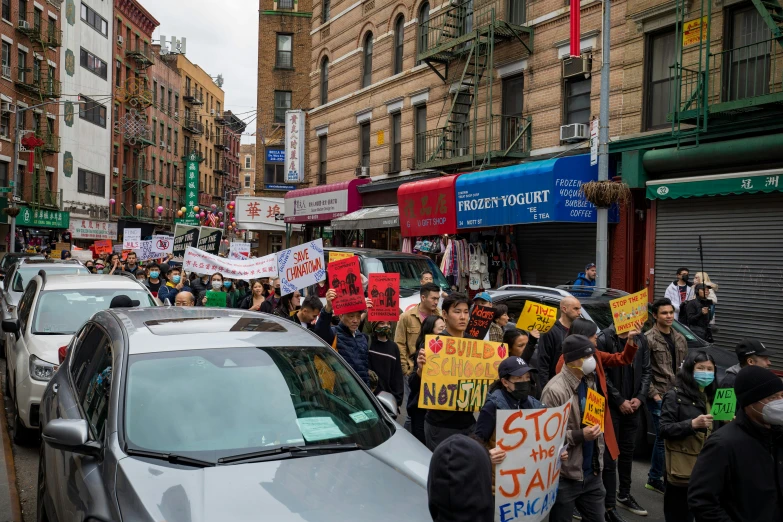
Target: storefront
[263, 216]
[84, 232]
[375, 227]
[316, 207]
[42, 227]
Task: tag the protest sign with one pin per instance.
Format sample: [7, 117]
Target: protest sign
[131, 237]
[480, 319]
[184, 236]
[56, 254]
[62, 246]
[239, 250]
[82, 255]
[595, 407]
[163, 245]
[204, 263]
[526, 481]
[301, 266]
[458, 372]
[215, 299]
[209, 240]
[384, 291]
[627, 310]
[103, 246]
[725, 404]
[145, 252]
[536, 316]
[336, 256]
[345, 279]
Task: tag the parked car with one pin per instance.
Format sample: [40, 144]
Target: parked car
[214, 414]
[51, 310]
[10, 258]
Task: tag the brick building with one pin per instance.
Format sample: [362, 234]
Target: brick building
[247, 172]
[228, 158]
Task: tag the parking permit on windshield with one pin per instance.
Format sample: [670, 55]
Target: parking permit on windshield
[363, 416]
[319, 428]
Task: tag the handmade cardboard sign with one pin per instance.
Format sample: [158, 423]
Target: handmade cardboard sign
[458, 372]
[724, 406]
[527, 479]
[595, 407]
[184, 236]
[131, 237]
[480, 319]
[162, 244]
[103, 246]
[239, 250]
[384, 290]
[536, 316]
[215, 299]
[345, 279]
[301, 266]
[627, 310]
[336, 256]
[145, 251]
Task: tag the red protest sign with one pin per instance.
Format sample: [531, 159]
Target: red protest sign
[480, 319]
[103, 246]
[384, 290]
[345, 278]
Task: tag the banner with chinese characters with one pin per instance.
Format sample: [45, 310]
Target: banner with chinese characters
[92, 229]
[191, 190]
[253, 213]
[730, 184]
[203, 263]
[294, 146]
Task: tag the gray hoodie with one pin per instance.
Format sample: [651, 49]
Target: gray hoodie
[730, 377]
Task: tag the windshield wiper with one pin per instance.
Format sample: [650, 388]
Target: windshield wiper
[171, 457]
[292, 451]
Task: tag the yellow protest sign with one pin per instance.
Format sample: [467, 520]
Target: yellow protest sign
[336, 256]
[595, 407]
[537, 316]
[694, 31]
[56, 254]
[626, 311]
[458, 372]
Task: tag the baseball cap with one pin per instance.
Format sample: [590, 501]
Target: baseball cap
[589, 266]
[123, 301]
[749, 346]
[514, 367]
[483, 295]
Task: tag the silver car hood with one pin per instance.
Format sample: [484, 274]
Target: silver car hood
[338, 487]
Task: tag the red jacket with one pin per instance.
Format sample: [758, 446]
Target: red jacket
[610, 360]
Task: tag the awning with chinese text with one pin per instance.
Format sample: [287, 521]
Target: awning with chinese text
[717, 185]
[427, 207]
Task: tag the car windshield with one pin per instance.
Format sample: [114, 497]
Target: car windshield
[409, 268]
[64, 311]
[25, 273]
[233, 401]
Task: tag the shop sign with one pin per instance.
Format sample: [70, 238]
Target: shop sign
[253, 213]
[191, 190]
[92, 229]
[318, 207]
[43, 218]
[694, 31]
[716, 185]
[275, 155]
[294, 146]
[279, 186]
[428, 213]
[68, 164]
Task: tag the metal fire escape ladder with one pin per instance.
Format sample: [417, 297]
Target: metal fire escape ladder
[771, 12]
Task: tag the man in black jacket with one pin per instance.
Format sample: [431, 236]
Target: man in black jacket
[627, 387]
[739, 473]
[549, 348]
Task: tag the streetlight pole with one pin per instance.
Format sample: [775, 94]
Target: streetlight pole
[602, 216]
[15, 167]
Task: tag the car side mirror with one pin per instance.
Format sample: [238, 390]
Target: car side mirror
[70, 435]
[389, 403]
[10, 326]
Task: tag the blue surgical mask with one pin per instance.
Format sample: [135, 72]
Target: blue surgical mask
[703, 379]
[154, 275]
[176, 279]
[227, 284]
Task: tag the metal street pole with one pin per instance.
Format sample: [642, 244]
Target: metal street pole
[602, 239]
[15, 166]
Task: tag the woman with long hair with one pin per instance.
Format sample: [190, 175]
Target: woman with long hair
[432, 325]
[255, 298]
[217, 286]
[521, 343]
[288, 304]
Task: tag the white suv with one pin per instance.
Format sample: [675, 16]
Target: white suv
[51, 310]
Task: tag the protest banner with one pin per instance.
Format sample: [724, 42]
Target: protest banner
[345, 278]
[595, 407]
[131, 237]
[536, 316]
[215, 299]
[526, 481]
[82, 255]
[239, 250]
[62, 246]
[103, 246]
[209, 240]
[145, 252]
[184, 236]
[204, 263]
[336, 256]
[627, 310]
[301, 266]
[724, 406]
[458, 372]
[384, 291]
[163, 245]
[480, 319]
[56, 254]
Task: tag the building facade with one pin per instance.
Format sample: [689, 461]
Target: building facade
[230, 129]
[247, 169]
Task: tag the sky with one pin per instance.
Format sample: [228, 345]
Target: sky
[220, 41]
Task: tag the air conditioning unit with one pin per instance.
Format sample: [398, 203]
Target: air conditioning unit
[362, 172]
[574, 132]
[115, 170]
[7, 71]
[120, 39]
[577, 66]
[212, 112]
[7, 107]
[176, 115]
[24, 24]
[162, 144]
[168, 148]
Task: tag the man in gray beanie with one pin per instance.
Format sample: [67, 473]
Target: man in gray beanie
[739, 473]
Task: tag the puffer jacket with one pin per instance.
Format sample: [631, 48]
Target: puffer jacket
[352, 346]
[683, 444]
[661, 360]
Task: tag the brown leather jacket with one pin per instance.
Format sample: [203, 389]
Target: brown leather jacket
[661, 360]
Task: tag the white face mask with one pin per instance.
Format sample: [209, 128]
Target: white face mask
[588, 365]
[217, 285]
[773, 412]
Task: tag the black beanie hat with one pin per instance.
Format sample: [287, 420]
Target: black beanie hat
[755, 383]
[577, 346]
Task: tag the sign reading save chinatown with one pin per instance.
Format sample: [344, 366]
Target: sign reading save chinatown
[29, 217]
[191, 189]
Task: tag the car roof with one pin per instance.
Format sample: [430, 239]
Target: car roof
[373, 252]
[176, 328]
[90, 281]
[42, 261]
[596, 294]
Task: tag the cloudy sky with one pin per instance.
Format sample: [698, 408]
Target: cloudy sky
[221, 40]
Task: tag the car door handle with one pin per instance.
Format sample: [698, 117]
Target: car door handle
[55, 388]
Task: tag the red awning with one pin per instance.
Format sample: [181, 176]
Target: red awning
[428, 207]
[324, 202]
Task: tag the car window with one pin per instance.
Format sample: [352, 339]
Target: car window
[9, 277]
[600, 313]
[25, 305]
[410, 270]
[26, 273]
[91, 369]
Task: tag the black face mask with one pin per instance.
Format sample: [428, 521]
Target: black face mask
[277, 291]
[521, 390]
[685, 278]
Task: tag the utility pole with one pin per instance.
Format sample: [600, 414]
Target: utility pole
[15, 166]
[602, 217]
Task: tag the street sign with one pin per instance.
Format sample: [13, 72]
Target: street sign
[6, 189]
[279, 217]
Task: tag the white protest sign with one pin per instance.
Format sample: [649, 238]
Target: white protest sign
[239, 250]
[526, 481]
[301, 266]
[204, 263]
[131, 239]
[82, 255]
[145, 251]
[163, 245]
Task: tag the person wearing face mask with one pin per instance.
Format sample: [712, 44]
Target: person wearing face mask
[173, 286]
[89, 265]
[739, 472]
[141, 275]
[686, 424]
[217, 285]
[385, 360]
[99, 266]
[199, 283]
[680, 291]
[154, 282]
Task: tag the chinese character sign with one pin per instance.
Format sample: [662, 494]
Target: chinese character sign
[294, 146]
[256, 213]
[191, 190]
[480, 319]
[384, 290]
[627, 310]
[536, 316]
[301, 266]
[527, 479]
[345, 279]
[204, 263]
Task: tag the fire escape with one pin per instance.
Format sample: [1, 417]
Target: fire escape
[192, 125]
[458, 44]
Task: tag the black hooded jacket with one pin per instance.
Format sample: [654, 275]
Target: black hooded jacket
[626, 382]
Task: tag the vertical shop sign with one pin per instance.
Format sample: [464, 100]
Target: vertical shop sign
[294, 146]
[191, 190]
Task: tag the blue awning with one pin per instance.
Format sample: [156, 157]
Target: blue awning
[538, 192]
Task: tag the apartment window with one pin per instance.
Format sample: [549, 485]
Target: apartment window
[285, 4]
[187, 145]
[168, 137]
[367, 67]
[399, 40]
[176, 141]
[516, 12]
[4, 174]
[7, 10]
[247, 162]
[160, 172]
[36, 70]
[748, 71]
[118, 74]
[660, 56]
[424, 27]
[155, 92]
[93, 64]
[395, 142]
[176, 104]
[37, 19]
[21, 58]
[321, 160]
[6, 59]
[22, 10]
[161, 133]
[324, 81]
[364, 132]
[577, 102]
[168, 102]
[116, 112]
[162, 98]
[174, 179]
[284, 51]
[282, 104]
[5, 124]
[127, 35]
[247, 180]
[95, 20]
[327, 10]
[511, 120]
[420, 129]
[187, 86]
[92, 183]
[92, 111]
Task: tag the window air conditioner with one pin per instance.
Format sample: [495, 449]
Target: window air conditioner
[24, 24]
[362, 172]
[577, 66]
[7, 71]
[168, 148]
[120, 39]
[7, 107]
[574, 132]
[212, 112]
[115, 170]
[162, 144]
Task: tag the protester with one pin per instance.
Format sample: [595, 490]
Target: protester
[90, 265]
[498, 323]
[308, 313]
[627, 388]
[587, 278]
[65, 255]
[686, 424]
[114, 265]
[750, 352]
[99, 266]
[131, 263]
[154, 282]
[199, 283]
[668, 349]
[700, 278]
[432, 325]
[273, 297]
[680, 291]
[238, 294]
[549, 348]
[739, 471]
[483, 299]
[695, 314]
[184, 298]
[521, 343]
[173, 286]
[459, 482]
[426, 277]
[409, 325]
[141, 275]
[385, 360]
[440, 424]
[255, 298]
[288, 304]
[216, 280]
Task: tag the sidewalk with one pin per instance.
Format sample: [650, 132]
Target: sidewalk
[10, 509]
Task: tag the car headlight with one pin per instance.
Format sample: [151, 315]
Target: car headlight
[41, 370]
